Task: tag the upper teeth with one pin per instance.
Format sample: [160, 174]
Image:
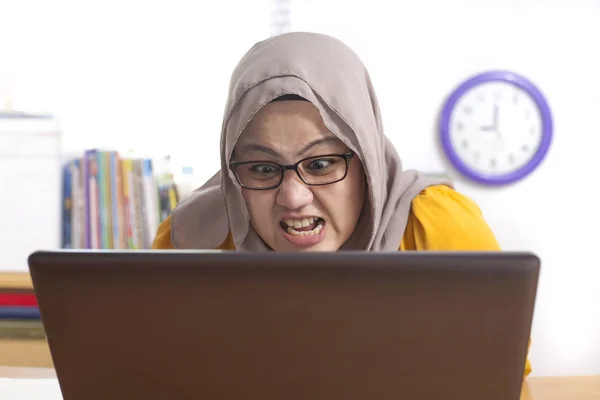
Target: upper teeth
[300, 223]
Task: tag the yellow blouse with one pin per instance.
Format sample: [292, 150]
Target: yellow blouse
[441, 219]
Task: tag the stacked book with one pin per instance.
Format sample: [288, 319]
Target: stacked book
[113, 202]
[19, 313]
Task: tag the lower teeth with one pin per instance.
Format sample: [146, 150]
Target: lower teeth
[315, 231]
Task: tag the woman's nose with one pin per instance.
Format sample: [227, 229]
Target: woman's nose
[293, 193]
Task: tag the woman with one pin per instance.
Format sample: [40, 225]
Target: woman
[305, 166]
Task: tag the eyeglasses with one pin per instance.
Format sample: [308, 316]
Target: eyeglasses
[313, 171]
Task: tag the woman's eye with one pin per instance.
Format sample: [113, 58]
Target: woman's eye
[320, 164]
[264, 169]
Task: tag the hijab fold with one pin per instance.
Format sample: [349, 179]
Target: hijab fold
[326, 72]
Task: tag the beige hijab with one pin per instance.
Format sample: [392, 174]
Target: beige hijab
[330, 75]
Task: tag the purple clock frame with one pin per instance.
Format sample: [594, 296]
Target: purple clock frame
[539, 100]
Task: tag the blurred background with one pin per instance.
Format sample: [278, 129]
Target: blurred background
[149, 81]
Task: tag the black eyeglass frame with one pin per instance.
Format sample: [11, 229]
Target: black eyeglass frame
[292, 167]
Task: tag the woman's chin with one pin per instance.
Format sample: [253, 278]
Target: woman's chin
[286, 242]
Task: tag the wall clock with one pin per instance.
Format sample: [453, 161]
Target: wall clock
[496, 128]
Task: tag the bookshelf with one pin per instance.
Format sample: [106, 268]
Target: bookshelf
[98, 199]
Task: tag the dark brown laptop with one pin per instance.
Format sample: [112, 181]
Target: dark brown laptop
[266, 326]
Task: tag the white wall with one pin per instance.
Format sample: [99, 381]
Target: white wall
[418, 52]
[125, 77]
[145, 75]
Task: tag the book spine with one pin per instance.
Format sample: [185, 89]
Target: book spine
[87, 217]
[18, 299]
[151, 207]
[22, 329]
[102, 204]
[67, 205]
[78, 210]
[128, 204]
[19, 312]
[140, 222]
[115, 224]
[121, 228]
[107, 183]
[94, 202]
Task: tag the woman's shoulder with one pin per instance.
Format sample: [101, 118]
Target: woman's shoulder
[443, 219]
[444, 199]
[162, 239]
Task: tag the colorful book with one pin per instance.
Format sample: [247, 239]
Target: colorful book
[19, 312]
[17, 299]
[22, 329]
[111, 202]
[67, 205]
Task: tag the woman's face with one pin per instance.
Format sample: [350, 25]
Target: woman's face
[295, 216]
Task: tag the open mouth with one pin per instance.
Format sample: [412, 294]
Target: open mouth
[303, 227]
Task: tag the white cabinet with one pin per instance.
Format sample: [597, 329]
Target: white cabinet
[30, 187]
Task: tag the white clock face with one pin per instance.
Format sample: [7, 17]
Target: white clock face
[495, 128]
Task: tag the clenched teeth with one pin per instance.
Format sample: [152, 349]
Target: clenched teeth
[292, 226]
[300, 223]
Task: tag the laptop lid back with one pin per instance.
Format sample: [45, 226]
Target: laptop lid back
[228, 325]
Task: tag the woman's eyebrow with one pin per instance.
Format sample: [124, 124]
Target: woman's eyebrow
[265, 149]
[318, 142]
[261, 148]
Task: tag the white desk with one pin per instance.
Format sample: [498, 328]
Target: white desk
[41, 383]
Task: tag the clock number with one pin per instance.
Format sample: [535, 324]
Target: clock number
[525, 148]
[493, 163]
[511, 158]
[468, 110]
[460, 126]
[465, 144]
[481, 98]
[516, 98]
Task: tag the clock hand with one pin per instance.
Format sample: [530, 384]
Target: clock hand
[494, 125]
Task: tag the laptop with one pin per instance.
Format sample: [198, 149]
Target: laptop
[332, 326]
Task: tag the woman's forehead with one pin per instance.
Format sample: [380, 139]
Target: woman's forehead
[292, 127]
